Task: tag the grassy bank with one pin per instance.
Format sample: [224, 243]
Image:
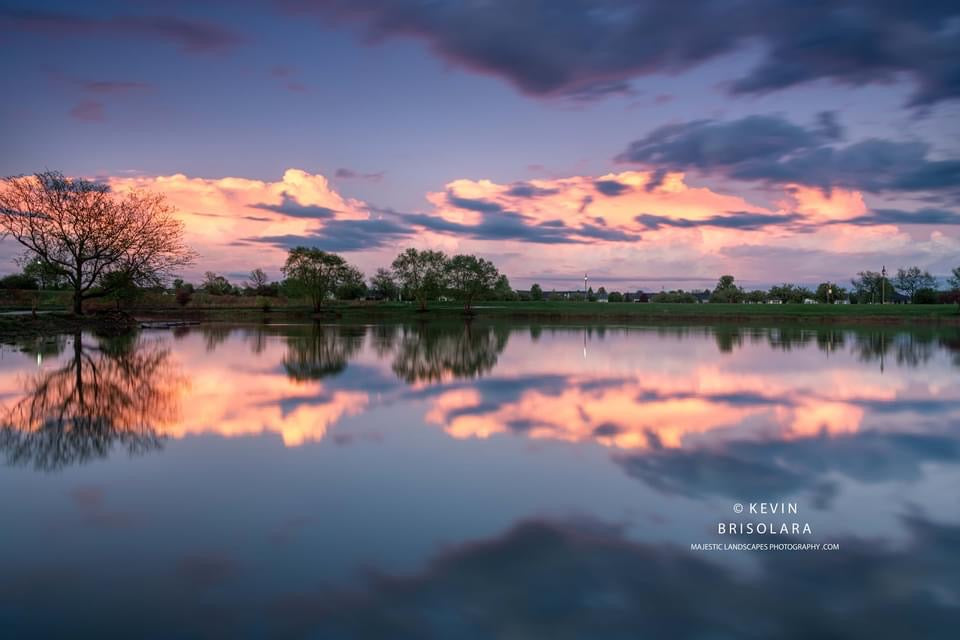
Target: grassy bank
[19, 326]
[597, 312]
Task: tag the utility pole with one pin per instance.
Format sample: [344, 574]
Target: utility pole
[883, 284]
[584, 286]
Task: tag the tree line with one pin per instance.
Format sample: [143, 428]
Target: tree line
[80, 236]
[868, 287]
[322, 277]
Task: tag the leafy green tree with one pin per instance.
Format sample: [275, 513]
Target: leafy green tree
[925, 296]
[216, 285]
[421, 273]
[726, 291]
[536, 293]
[470, 277]
[912, 279]
[829, 292]
[352, 285]
[47, 275]
[384, 284]
[678, 296]
[502, 289]
[870, 287]
[953, 281]
[756, 296]
[122, 287]
[314, 273]
[615, 296]
[18, 281]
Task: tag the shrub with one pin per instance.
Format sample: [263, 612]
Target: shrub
[183, 296]
[18, 281]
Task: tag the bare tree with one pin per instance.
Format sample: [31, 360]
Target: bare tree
[85, 231]
[257, 280]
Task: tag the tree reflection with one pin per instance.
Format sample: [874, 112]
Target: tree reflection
[114, 392]
[431, 353]
[323, 351]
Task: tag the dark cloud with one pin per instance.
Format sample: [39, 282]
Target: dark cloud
[342, 235]
[585, 578]
[610, 187]
[744, 220]
[773, 150]
[897, 216]
[586, 49]
[350, 174]
[497, 225]
[192, 36]
[290, 207]
[736, 469]
[527, 190]
[471, 204]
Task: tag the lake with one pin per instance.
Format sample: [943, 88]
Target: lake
[481, 481]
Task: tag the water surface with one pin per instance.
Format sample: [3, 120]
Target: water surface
[480, 481]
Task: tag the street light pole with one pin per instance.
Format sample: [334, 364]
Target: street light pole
[883, 284]
[584, 286]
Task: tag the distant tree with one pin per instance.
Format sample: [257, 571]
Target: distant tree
[216, 285]
[602, 291]
[912, 279]
[47, 276]
[88, 231]
[926, 295]
[829, 292]
[123, 289]
[678, 296]
[384, 284]
[790, 293]
[756, 296]
[615, 296]
[257, 281]
[470, 278]
[871, 286]
[315, 273]
[183, 295]
[502, 289]
[726, 291]
[18, 281]
[591, 297]
[536, 293]
[352, 285]
[421, 273]
[953, 281]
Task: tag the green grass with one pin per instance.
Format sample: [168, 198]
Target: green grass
[614, 312]
[236, 307]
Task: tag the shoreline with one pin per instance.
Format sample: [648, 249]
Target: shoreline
[21, 326]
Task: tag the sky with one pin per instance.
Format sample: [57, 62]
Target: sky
[651, 145]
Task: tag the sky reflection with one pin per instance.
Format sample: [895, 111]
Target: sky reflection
[461, 481]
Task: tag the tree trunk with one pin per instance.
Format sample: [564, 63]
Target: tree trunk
[78, 302]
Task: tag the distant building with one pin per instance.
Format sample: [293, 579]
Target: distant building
[702, 297]
[810, 301]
